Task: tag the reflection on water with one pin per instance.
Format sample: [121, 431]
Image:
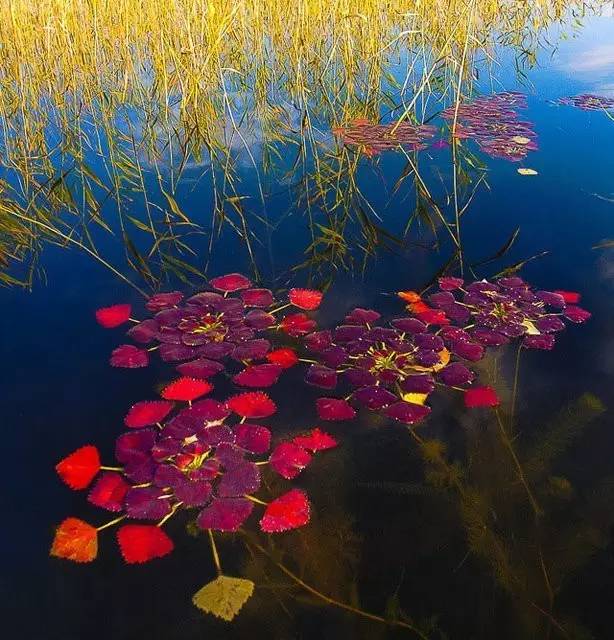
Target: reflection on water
[354, 148]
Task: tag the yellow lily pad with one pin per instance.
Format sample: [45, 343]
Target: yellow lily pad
[521, 140]
[415, 398]
[224, 597]
[524, 171]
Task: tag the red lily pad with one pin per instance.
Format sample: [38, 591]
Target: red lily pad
[253, 404]
[576, 314]
[239, 480]
[448, 283]
[362, 316]
[284, 357]
[289, 459]
[127, 356]
[289, 511]
[134, 445]
[144, 332]
[79, 468]
[225, 514]
[147, 412]
[319, 340]
[433, 316]
[251, 350]
[75, 540]
[257, 298]
[570, 297]
[146, 503]
[481, 397]
[161, 301]
[259, 319]
[258, 375]
[194, 493]
[142, 542]
[297, 324]
[315, 440]
[334, 409]
[230, 282]
[322, 377]
[109, 491]
[407, 412]
[544, 341]
[208, 410]
[201, 368]
[252, 437]
[307, 299]
[186, 389]
[111, 317]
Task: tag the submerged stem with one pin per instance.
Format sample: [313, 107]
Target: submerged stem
[216, 556]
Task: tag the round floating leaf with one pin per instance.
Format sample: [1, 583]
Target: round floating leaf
[525, 171]
[374, 397]
[334, 409]
[194, 493]
[521, 140]
[307, 299]
[289, 459]
[230, 282]
[284, 357]
[289, 511]
[481, 397]
[251, 350]
[297, 324]
[75, 540]
[141, 542]
[322, 377]
[176, 352]
[456, 375]
[207, 410]
[259, 375]
[407, 412]
[144, 332]
[147, 503]
[576, 314]
[201, 368]
[319, 340]
[239, 480]
[111, 317]
[127, 356]
[147, 412]
[224, 597]
[259, 319]
[186, 389]
[544, 341]
[79, 468]
[448, 283]
[134, 446]
[570, 297]
[315, 440]
[362, 316]
[254, 404]
[257, 298]
[109, 492]
[162, 301]
[252, 437]
[225, 514]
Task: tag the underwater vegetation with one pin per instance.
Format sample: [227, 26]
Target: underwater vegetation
[589, 102]
[185, 452]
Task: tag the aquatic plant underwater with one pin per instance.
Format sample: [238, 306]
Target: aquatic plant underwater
[185, 452]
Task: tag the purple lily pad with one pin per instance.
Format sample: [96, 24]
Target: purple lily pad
[225, 514]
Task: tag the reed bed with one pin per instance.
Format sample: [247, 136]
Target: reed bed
[101, 99]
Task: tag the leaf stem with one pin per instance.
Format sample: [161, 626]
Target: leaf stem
[216, 556]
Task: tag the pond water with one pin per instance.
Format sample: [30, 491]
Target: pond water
[448, 542]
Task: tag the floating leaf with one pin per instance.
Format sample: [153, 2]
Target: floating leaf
[75, 540]
[259, 375]
[257, 298]
[162, 301]
[481, 397]
[252, 437]
[254, 404]
[570, 297]
[127, 356]
[109, 492]
[79, 468]
[147, 503]
[319, 376]
[410, 297]
[297, 324]
[415, 398]
[289, 459]
[315, 440]
[407, 412]
[284, 357]
[142, 542]
[239, 480]
[230, 283]
[111, 317]
[224, 597]
[374, 397]
[186, 389]
[147, 412]
[307, 299]
[448, 283]
[225, 514]
[334, 409]
[521, 140]
[289, 511]
[576, 314]
[524, 171]
[201, 368]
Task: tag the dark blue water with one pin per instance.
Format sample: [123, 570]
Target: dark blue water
[382, 537]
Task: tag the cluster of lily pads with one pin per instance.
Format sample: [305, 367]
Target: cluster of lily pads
[373, 138]
[492, 121]
[588, 102]
[187, 452]
[395, 368]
